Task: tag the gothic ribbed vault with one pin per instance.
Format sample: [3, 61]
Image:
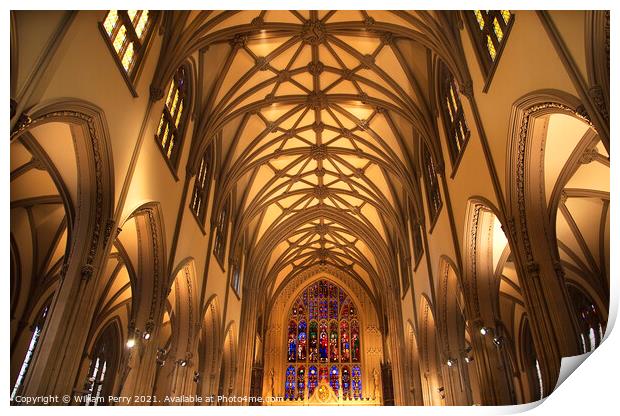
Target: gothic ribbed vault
[320, 115]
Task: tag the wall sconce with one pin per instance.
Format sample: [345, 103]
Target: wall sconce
[134, 335]
[484, 330]
[466, 355]
[184, 362]
[196, 377]
[148, 330]
[441, 392]
[160, 358]
[451, 362]
[498, 341]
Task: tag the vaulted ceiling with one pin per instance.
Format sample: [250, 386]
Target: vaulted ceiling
[319, 115]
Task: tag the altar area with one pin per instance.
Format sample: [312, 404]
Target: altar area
[324, 395]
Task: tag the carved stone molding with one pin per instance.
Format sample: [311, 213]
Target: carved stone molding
[316, 68]
[598, 98]
[109, 227]
[95, 145]
[87, 271]
[469, 285]
[521, 170]
[239, 41]
[156, 93]
[22, 123]
[313, 32]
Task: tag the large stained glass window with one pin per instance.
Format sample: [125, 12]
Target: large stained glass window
[323, 343]
[489, 29]
[128, 32]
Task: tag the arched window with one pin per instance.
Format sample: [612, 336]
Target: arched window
[324, 338]
[433, 196]
[128, 33]
[173, 119]
[456, 129]
[530, 363]
[418, 245]
[289, 388]
[357, 382]
[200, 195]
[37, 327]
[591, 324]
[102, 369]
[221, 232]
[405, 264]
[236, 278]
[489, 29]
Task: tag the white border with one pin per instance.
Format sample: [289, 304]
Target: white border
[590, 389]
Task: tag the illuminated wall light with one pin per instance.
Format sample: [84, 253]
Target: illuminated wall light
[131, 343]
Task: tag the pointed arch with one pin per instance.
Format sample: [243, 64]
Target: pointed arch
[433, 389]
[209, 347]
[228, 368]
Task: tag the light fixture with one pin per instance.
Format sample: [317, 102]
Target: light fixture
[451, 362]
[131, 343]
[183, 363]
[148, 330]
[484, 330]
[160, 358]
[497, 341]
[468, 359]
[441, 392]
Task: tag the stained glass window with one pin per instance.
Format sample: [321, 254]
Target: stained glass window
[289, 390]
[301, 382]
[34, 340]
[590, 321]
[200, 195]
[172, 122]
[127, 32]
[418, 245]
[431, 182]
[456, 129]
[104, 360]
[323, 343]
[346, 382]
[313, 379]
[236, 278]
[357, 382]
[489, 28]
[221, 232]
